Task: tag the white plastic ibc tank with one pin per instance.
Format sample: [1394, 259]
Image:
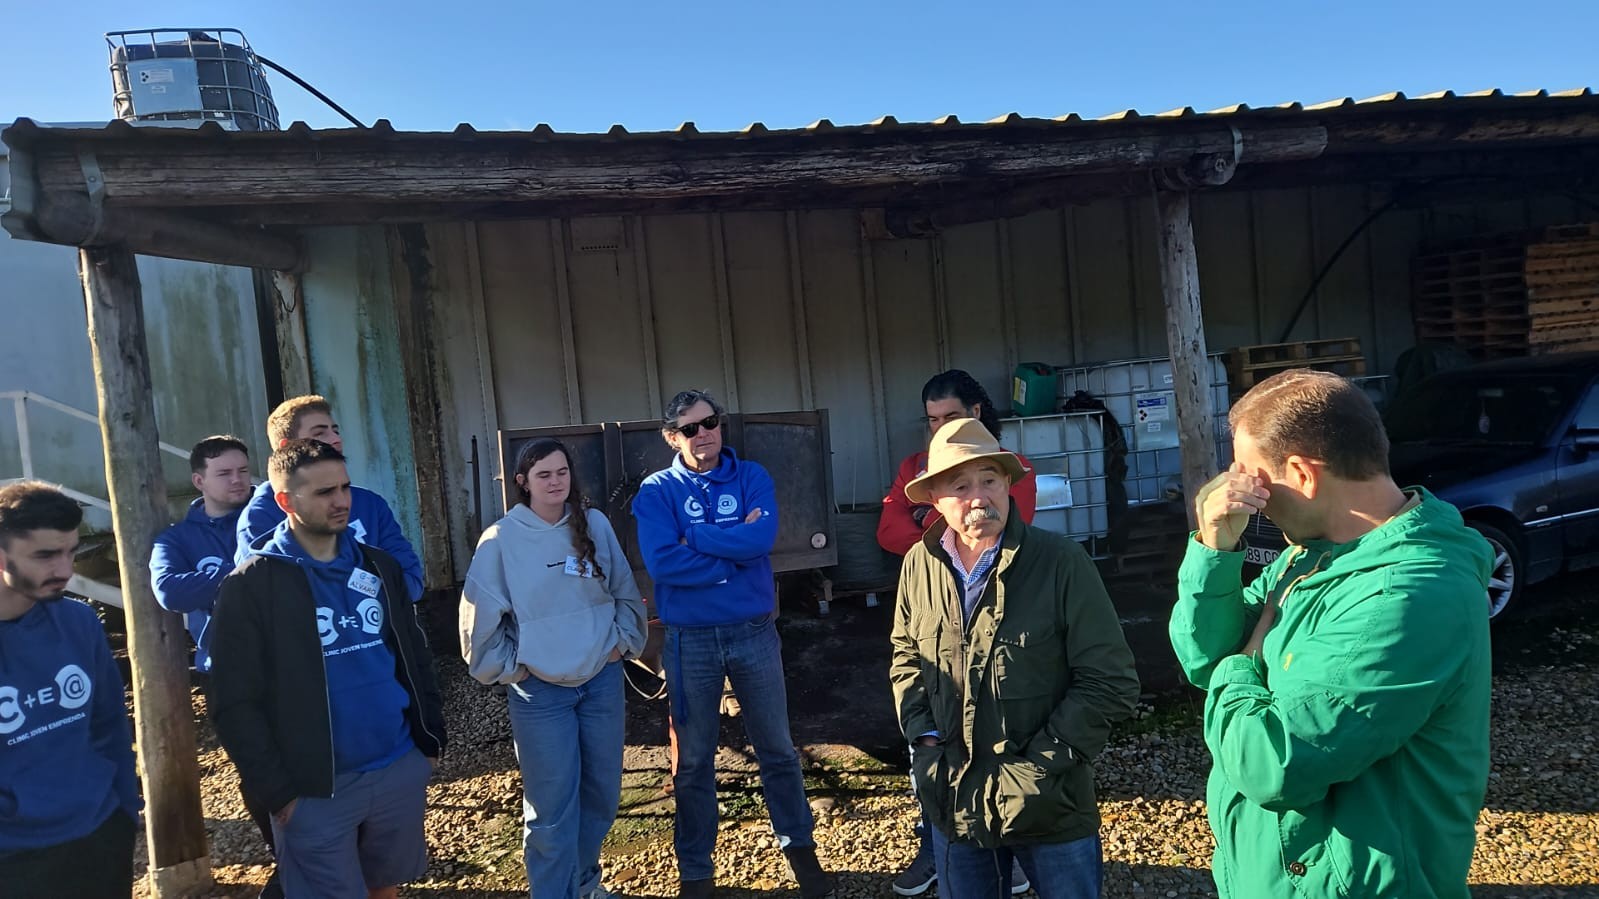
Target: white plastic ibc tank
[1127, 385]
[1067, 452]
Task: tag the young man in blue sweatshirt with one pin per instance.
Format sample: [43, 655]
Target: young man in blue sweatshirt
[69, 798]
[706, 527]
[190, 558]
[310, 417]
[323, 691]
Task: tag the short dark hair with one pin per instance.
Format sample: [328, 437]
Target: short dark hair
[34, 505]
[685, 401]
[1316, 414]
[214, 446]
[295, 455]
[961, 386]
[284, 422]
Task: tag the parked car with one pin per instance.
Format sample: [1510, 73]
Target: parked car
[1514, 445]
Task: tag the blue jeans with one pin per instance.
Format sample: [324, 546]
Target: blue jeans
[1071, 870]
[569, 747]
[749, 654]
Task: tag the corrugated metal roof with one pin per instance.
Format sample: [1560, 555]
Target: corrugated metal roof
[1395, 103]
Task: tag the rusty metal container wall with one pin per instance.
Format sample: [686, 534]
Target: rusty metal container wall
[614, 458]
[352, 331]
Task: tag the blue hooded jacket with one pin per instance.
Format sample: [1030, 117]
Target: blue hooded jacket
[709, 567]
[371, 521]
[66, 751]
[366, 701]
[187, 566]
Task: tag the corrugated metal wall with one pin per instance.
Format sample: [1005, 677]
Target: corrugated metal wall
[350, 323]
[550, 322]
[205, 363]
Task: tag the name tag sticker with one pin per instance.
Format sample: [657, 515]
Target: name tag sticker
[364, 582]
[578, 567]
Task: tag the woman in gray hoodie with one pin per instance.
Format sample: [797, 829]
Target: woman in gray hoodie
[550, 609]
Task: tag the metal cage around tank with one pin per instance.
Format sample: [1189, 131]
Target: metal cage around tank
[184, 74]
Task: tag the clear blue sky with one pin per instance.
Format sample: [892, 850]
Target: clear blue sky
[583, 65]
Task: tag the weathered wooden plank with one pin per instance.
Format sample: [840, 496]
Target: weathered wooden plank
[165, 172]
[69, 218]
[157, 644]
[1422, 129]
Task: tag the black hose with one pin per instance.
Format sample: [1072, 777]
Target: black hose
[314, 92]
[1326, 267]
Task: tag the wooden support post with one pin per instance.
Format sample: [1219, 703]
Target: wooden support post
[157, 644]
[1185, 339]
[294, 350]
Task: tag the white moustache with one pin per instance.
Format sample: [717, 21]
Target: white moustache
[978, 516]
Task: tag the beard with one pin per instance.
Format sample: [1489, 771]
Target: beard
[38, 591]
[977, 516]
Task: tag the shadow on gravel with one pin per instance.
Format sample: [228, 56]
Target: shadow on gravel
[1534, 891]
[445, 891]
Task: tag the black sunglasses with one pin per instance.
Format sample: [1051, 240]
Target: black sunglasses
[710, 423]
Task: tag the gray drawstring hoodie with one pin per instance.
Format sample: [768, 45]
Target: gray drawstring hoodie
[528, 604]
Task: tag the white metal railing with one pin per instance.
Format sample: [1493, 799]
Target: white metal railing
[19, 404]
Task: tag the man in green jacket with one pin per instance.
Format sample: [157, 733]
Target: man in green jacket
[1349, 683]
[1009, 667]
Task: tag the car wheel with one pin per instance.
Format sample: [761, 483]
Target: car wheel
[1504, 584]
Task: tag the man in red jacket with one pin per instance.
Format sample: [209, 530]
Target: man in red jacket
[946, 397]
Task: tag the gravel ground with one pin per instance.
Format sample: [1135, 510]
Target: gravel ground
[1539, 836]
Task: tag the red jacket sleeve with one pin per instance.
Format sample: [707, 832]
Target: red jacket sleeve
[897, 531]
[1025, 492]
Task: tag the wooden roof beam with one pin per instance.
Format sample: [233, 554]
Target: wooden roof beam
[181, 171]
[71, 219]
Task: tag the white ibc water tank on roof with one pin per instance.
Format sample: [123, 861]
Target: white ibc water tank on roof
[190, 74]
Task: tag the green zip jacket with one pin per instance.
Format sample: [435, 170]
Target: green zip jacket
[1022, 697]
[1351, 756]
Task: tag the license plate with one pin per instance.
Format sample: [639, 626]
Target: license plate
[1256, 555]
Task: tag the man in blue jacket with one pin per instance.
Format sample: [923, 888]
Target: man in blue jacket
[372, 522]
[706, 527]
[323, 691]
[190, 559]
[69, 798]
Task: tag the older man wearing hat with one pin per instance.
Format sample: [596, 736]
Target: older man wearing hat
[1009, 667]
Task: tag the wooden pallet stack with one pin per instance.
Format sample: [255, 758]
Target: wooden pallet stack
[1249, 365]
[1475, 297]
[1157, 537]
[1562, 274]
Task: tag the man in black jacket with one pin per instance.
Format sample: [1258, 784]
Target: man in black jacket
[323, 691]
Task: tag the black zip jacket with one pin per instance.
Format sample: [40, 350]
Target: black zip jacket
[269, 696]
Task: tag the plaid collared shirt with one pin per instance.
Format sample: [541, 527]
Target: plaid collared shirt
[972, 582]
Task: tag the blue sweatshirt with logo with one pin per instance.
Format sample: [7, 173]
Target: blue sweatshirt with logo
[66, 751]
[365, 697]
[709, 566]
[187, 566]
[371, 521]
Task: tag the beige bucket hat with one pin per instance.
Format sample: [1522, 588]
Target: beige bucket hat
[956, 443]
